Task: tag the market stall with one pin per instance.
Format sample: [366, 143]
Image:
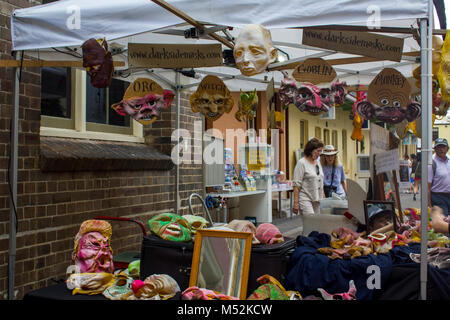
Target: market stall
[39, 30]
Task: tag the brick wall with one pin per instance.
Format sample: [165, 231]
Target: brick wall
[52, 205]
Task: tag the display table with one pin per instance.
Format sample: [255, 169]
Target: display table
[255, 204]
[280, 190]
[59, 292]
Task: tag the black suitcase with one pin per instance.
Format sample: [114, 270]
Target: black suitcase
[271, 259]
[159, 256]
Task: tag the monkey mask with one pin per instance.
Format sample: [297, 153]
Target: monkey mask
[144, 101]
[388, 99]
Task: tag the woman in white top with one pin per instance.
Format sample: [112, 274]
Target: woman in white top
[308, 180]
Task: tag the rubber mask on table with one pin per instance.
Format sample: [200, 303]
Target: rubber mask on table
[92, 251]
[171, 227]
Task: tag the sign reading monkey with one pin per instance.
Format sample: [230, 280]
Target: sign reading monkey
[388, 99]
[212, 98]
[144, 100]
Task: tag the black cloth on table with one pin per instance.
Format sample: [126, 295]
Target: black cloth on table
[309, 269]
[60, 292]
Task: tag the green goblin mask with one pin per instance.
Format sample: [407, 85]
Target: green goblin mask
[171, 227]
[196, 222]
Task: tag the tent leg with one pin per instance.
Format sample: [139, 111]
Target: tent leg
[12, 179]
[177, 174]
[426, 85]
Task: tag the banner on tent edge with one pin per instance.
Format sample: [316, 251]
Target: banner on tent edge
[143, 55]
[362, 43]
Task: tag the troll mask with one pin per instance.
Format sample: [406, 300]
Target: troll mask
[98, 62]
[92, 251]
[144, 101]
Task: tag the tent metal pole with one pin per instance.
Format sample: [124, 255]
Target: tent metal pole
[426, 77]
[177, 174]
[13, 173]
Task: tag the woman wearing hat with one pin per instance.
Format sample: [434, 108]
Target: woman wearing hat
[333, 171]
[308, 180]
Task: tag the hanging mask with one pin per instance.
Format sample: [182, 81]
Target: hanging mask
[248, 103]
[339, 92]
[212, 98]
[169, 226]
[313, 99]
[288, 90]
[98, 62]
[388, 99]
[444, 69]
[92, 251]
[144, 101]
[253, 50]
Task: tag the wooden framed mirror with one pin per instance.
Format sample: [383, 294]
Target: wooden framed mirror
[380, 215]
[221, 261]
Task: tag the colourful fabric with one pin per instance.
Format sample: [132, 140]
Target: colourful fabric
[196, 293]
[271, 289]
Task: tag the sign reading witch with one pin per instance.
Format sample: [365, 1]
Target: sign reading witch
[363, 43]
[143, 55]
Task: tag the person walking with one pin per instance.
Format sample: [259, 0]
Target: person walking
[439, 177]
[333, 173]
[417, 172]
[410, 166]
[308, 180]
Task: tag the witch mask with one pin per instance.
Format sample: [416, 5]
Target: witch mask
[388, 99]
[212, 98]
[169, 226]
[92, 251]
[253, 50]
[98, 62]
[144, 101]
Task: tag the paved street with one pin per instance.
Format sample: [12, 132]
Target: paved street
[292, 227]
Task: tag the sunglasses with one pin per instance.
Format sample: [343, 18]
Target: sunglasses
[317, 169]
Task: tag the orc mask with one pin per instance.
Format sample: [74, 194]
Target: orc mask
[171, 227]
[145, 109]
[98, 62]
[92, 251]
[144, 101]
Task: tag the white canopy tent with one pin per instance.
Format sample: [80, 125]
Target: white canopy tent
[56, 31]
